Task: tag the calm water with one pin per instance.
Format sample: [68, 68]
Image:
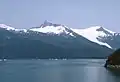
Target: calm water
[82, 70]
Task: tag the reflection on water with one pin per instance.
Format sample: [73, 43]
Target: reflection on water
[115, 73]
[83, 70]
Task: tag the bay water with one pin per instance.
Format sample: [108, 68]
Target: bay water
[71, 70]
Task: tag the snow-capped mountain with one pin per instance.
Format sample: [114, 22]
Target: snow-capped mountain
[97, 34]
[51, 28]
[48, 41]
[46, 27]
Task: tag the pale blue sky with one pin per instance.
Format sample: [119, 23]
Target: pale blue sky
[73, 13]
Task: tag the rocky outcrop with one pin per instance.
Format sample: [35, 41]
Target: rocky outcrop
[113, 61]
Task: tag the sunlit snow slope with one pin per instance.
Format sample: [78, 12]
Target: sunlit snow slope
[93, 33]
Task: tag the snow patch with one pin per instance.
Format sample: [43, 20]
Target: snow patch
[11, 28]
[92, 34]
[48, 27]
[51, 29]
[6, 27]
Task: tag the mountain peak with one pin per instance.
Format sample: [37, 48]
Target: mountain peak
[105, 30]
[95, 32]
[95, 27]
[50, 28]
[100, 29]
[47, 23]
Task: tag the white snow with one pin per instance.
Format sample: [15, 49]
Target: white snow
[18, 30]
[52, 29]
[92, 34]
[71, 34]
[6, 27]
[48, 27]
[11, 28]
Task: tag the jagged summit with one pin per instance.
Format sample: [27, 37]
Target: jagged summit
[99, 28]
[47, 23]
[48, 27]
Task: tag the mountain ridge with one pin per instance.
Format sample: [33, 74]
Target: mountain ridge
[97, 34]
[40, 45]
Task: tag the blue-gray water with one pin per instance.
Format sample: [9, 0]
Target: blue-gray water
[82, 70]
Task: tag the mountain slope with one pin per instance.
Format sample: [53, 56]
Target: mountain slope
[32, 44]
[6, 27]
[53, 29]
[96, 34]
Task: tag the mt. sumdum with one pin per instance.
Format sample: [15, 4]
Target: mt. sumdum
[64, 41]
[96, 34]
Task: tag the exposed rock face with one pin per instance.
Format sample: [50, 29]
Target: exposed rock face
[113, 60]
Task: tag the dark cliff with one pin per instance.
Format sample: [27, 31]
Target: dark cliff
[113, 59]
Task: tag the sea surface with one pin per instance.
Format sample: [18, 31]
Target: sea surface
[79, 70]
